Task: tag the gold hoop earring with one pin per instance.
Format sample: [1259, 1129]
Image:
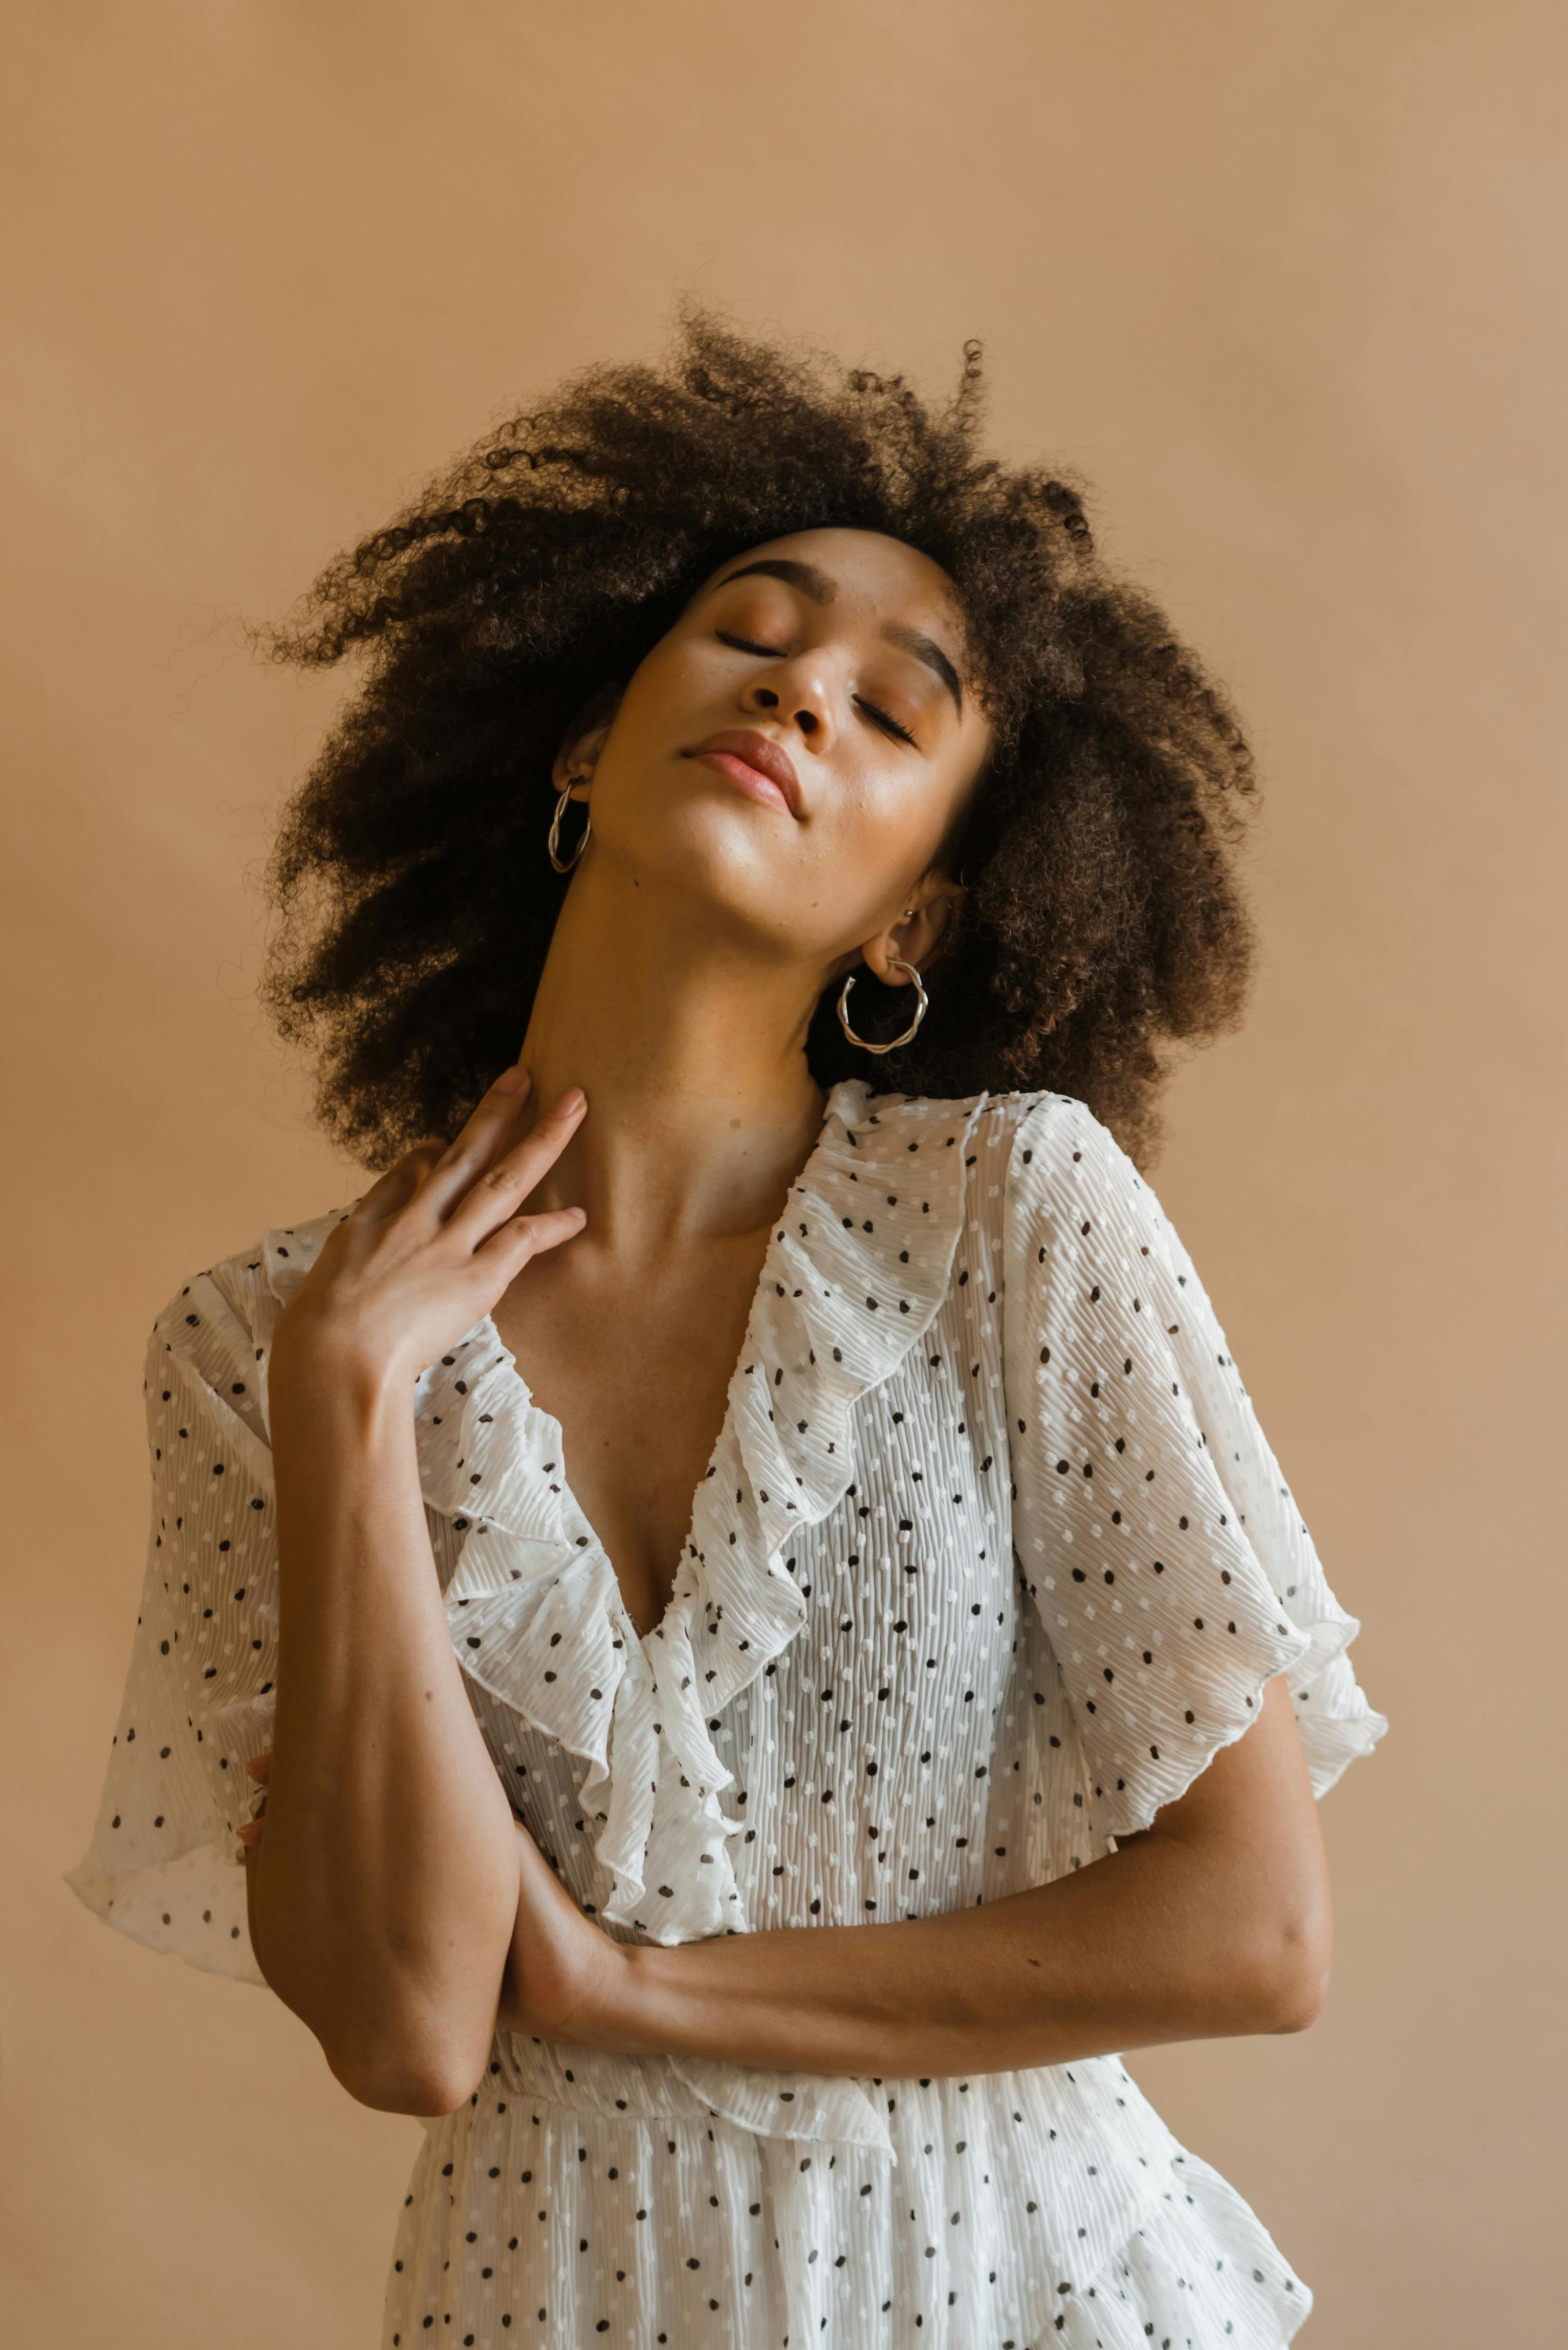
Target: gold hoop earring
[564, 864]
[866, 1047]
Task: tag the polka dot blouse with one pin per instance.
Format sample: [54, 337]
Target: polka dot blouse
[990, 1558]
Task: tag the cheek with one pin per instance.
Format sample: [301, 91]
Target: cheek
[680, 677]
[652, 689]
[883, 827]
[654, 722]
[867, 845]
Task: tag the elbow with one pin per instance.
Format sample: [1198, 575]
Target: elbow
[399, 2056]
[1287, 1979]
[426, 2096]
[426, 2085]
[1298, 1999]
[405, 2061]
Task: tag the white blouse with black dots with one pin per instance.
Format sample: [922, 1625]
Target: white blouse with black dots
[990, 1558]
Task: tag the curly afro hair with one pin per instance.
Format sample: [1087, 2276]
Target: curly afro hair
[1101, 922]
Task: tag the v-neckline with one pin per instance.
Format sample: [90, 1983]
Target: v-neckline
[860, 1261]
[525, 1404]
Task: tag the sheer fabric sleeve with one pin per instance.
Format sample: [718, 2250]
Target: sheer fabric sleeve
[162, 1865]
[1153, 1530]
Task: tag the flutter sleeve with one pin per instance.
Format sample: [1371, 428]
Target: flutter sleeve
[162, 1865]
[1152, 1527]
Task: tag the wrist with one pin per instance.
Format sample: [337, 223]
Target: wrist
[334, 1407]
[634, 2011]
[315, 1355]
[607, 2004]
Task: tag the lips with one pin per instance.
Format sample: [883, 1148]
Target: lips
[761, 756]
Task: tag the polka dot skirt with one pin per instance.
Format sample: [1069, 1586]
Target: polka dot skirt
[990, 1558]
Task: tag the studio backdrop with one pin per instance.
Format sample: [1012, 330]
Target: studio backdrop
[1286, 286]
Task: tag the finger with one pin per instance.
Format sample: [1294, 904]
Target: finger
[496, 1193]
[400, 1183]
[260, 1765]
[478, 1140]
[521, 1238]
[250, 1833]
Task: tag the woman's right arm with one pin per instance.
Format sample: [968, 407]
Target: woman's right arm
[383, 1901]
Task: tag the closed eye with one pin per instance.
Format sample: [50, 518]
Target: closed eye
[744, 645]
[770, 653]
[891, 724]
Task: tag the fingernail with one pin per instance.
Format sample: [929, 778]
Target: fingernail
[572, 1100]
[511, 1080]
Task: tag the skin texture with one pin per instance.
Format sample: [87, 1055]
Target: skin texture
[396, 1904]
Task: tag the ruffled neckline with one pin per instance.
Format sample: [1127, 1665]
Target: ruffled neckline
[854, 1272]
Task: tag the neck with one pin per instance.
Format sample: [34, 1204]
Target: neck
[690, 1044]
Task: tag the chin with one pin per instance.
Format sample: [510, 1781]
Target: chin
[731, 856]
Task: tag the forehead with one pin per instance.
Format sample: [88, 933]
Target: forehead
[868, 569]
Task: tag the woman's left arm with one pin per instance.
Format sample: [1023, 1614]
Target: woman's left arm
[1213, 1922]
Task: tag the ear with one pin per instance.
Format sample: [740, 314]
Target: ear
[919, 936]
[585, 738]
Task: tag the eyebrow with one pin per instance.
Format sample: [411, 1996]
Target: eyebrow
[925, 648]
[822, 590]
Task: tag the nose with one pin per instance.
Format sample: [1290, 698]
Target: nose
[792, 691]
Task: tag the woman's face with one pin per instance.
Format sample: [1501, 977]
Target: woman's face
[835, 659]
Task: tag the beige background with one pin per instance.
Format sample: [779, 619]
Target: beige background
[1287, 283]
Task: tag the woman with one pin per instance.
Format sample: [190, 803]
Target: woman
[750, 1892]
